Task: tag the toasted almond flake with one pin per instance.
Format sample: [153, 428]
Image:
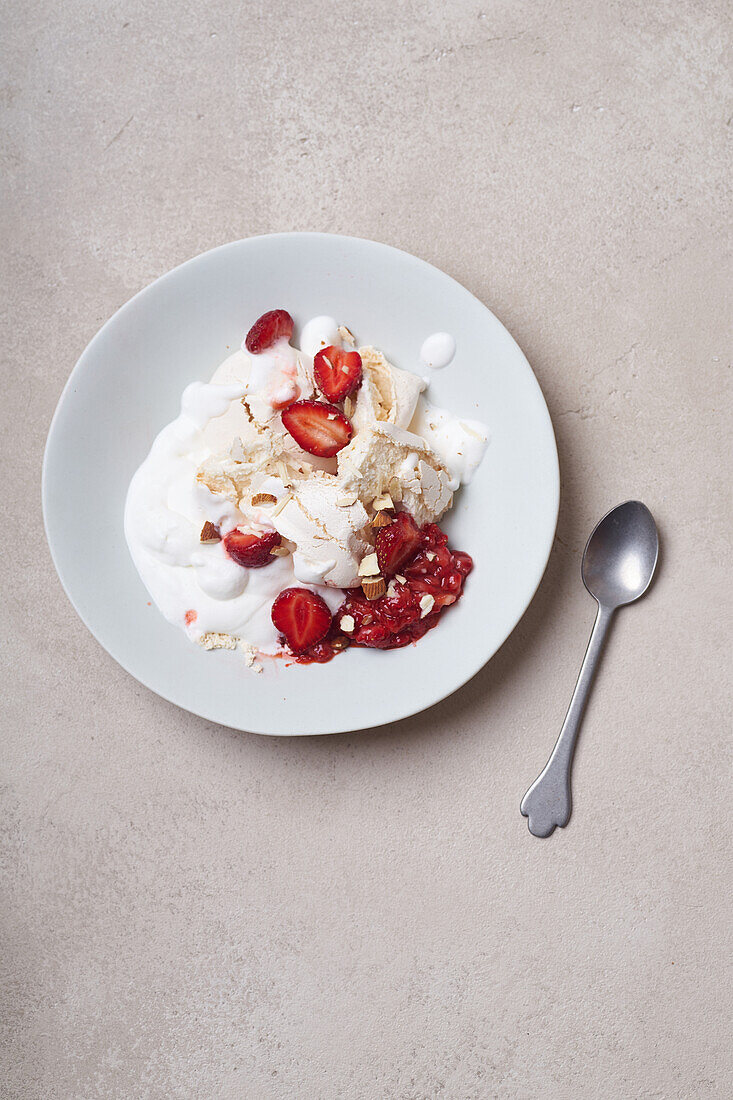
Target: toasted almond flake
[280, 552]
[366, 619]
[347, 624]
[263, 498]
[346, 335]
[430, 555]
[369, 566]
[385, 501]
[346, 501]
[332, 416]
[281, 504]
[327, 360]
[282, 473]
[426, 605]
[349, 407]
[210, 533]
[400, 578]
[392, 589]
[373, 587]
[382, 519]
[339, 643]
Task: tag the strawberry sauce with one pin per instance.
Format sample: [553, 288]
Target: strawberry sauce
[430, 581]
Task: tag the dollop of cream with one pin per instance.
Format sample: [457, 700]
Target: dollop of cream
[438, 350]
[320, 332]
[460, 444]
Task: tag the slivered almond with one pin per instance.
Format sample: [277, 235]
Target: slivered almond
[382, 502]
[395, 489]
[263, 498]
[373, 587]
[426, 605]
[281, 504]
[346, 335]
[282, 473]
[369, 566]
[346, 501]
[349, 407]
[210, 533]
[382, 519]
[279, 551]
[400, 578]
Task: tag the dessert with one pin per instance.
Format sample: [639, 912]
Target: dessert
[292, 507]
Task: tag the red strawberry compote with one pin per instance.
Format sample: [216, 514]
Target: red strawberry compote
[431, 581]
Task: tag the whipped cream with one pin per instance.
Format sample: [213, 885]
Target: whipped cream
[459, 443]
[228, 460]
[438, 350]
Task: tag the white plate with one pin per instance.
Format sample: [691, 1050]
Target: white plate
[127, 386]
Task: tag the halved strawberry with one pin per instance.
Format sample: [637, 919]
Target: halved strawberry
[318, 428]
[397, 543]
[302, 617]
[250, 550]
[268, 328]
[337, 372]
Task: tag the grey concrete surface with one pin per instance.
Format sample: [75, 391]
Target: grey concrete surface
[191, 912]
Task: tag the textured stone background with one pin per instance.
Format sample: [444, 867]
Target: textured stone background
[192, 912]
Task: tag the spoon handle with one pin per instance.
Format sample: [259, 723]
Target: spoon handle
[547, 803]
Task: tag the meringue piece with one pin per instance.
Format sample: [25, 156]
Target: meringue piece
[323, 530]
[273, 377]
[213, 640]
[311, 570]
[380, 453]
[387, 393]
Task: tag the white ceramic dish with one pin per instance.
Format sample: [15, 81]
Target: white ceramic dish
[127, 385]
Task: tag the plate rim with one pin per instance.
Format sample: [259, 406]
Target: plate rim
[79, 367]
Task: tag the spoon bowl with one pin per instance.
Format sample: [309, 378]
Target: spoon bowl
[621, 555]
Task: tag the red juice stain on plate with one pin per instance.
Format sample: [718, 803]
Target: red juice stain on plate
[190, 617]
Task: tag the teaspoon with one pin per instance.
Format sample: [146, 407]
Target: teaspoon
[618, 564]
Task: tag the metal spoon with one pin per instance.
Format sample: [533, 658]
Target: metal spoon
[618, 564]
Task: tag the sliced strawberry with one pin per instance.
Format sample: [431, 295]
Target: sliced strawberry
[318, 428]
[397, 543]
[250, 550]
[302, 617]
[337, 372]
[267, 329]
